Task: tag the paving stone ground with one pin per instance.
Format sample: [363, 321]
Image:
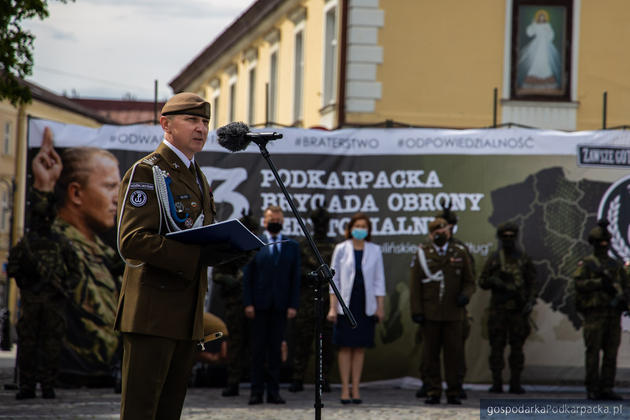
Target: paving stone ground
[386, 400]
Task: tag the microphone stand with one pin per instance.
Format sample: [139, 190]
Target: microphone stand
[321, 275]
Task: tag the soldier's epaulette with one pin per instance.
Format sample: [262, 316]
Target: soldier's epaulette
[151, 159]
[462, 247]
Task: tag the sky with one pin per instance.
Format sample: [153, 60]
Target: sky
[111, 49]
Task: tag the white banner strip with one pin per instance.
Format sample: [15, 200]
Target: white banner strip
[351, 141]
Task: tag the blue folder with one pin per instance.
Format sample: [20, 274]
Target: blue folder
[232, 231]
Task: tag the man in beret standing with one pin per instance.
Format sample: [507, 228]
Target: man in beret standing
[160, 310]
[441, 284]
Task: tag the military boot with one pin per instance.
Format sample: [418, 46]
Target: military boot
[497, 383]
[515, 384]
[610, 395]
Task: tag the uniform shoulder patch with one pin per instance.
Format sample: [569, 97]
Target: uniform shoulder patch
[138, 198]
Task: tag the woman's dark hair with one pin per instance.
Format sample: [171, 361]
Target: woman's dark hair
[356, 218]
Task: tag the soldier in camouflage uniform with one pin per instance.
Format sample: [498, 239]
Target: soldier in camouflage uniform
[600, 288]
[304, 324]
[76, 195]
[510, 274]
[45, 269]
[230, 277]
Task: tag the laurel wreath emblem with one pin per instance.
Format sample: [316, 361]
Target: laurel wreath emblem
[617, 241]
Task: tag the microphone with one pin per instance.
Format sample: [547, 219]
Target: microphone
[236, 136]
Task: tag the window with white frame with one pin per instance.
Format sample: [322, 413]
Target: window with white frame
[298, 73]
[7, 138]
[330, 52]
[251, 94]
[232, 94]
[216, 93]
[4, 207]
[273, 83]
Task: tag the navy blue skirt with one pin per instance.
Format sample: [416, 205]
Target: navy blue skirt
[363, 334]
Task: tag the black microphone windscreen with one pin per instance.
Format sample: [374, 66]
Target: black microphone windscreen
[233, 136]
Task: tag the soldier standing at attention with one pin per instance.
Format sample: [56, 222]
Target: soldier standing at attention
[304, 326]
[451, 218]
[510, 275]
[600, 288]
[441, 284]
[46, 269]
[230, 278]
[160, 311]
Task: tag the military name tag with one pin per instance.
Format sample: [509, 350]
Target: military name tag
[141, 186]
[138, 198]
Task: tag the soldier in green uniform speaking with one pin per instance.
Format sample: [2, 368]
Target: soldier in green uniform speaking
[441, 284]
[510, 275]
[600, 289]
[160, 310]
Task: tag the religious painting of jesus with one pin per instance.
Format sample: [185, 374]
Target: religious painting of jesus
[540, 59]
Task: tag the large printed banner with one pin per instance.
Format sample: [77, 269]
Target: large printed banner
[554, 185]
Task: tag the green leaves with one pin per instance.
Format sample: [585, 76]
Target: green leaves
[16, 47]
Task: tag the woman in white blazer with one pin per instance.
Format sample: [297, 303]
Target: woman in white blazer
[360, 278]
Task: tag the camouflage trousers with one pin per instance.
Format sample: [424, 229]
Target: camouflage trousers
[602, 333]
[41, 328]
[507, 327]
[237, 340]
[304, 336]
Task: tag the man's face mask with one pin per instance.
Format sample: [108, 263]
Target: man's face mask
[440, 239]
[508, 241]
[274, 227]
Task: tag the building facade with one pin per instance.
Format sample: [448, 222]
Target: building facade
[335, 63]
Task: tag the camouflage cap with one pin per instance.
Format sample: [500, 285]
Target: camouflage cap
[599, 233]
[187, 103]
[507, 227]
[320, 217]
[437, 223]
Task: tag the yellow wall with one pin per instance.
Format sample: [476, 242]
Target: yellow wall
[442, 60]
[441, 63]
[604, 63]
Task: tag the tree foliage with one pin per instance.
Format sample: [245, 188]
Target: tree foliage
[16, 46]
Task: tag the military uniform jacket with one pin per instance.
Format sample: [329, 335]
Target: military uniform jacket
[588, 287]
[458, 280]
[517, 293]
[164, 284]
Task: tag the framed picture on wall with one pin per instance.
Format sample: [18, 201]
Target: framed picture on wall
[541, 50]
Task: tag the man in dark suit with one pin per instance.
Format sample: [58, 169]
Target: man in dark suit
[160, 310]
[271, 293]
